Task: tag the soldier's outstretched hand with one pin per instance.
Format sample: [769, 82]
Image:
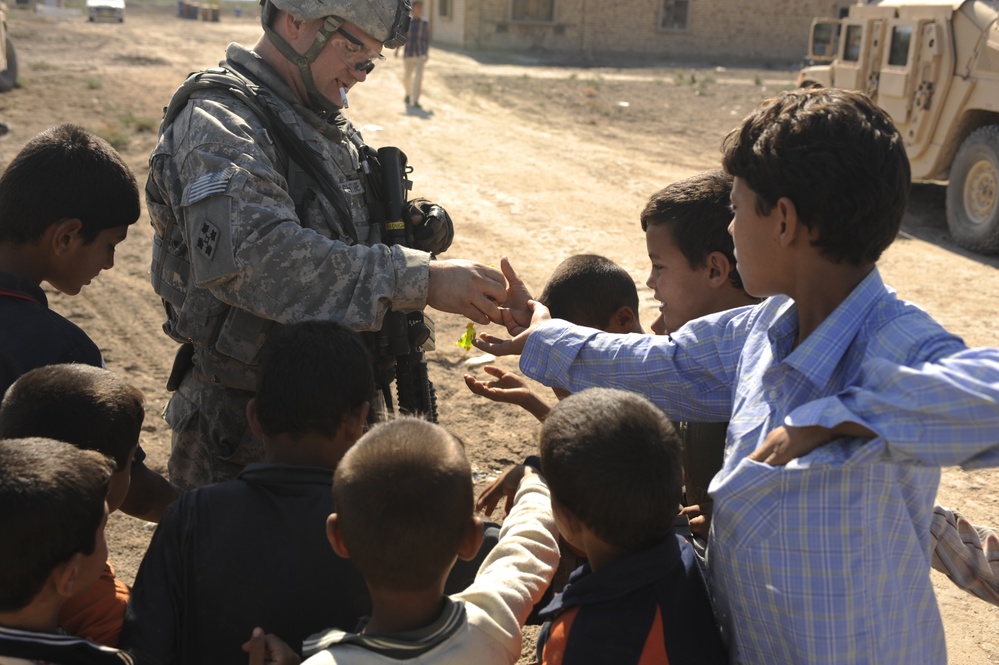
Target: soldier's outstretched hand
[469, 288]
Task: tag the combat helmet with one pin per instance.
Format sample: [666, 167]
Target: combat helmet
[385, 20]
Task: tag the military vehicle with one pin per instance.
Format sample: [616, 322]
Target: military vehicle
[933, 65]
[8, 58]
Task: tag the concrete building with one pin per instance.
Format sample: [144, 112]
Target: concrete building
[759, 30]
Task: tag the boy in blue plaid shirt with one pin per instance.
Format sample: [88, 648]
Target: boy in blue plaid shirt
[843, 400]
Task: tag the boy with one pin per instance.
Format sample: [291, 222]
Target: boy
[252, 551]
[52, 515]
[694, 274]
[867, 394]
[586, 289]
[66, 200]
[406, 555]
[612, 461]
[92, 409]
[692, 255]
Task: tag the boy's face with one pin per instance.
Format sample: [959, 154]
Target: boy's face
[685, 293]
[82, 262]
[755, 242]
[120, 481]
[93, 564]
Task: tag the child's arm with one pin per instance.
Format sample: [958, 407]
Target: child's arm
[509, 389]
[517, 298]
[519, 568]
[269, 649]
[965, 553]
[787, 443]
[149, 494]
[505, 485]
[515, 345]
[940, 412]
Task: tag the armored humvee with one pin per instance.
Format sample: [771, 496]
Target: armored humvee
[933, 65]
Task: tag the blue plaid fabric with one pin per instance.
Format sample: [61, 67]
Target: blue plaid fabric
[825, 560]
[417, 39]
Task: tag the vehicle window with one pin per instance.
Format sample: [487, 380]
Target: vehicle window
[854, 39]
[823, 39]
[901, 35]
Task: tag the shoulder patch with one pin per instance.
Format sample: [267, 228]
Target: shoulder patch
[210, 184]
[208, 238]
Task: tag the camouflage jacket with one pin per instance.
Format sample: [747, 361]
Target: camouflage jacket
[245, 239]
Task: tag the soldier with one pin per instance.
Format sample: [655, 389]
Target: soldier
[265, 206]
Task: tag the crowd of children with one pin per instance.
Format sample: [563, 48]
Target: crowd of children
[790, 410]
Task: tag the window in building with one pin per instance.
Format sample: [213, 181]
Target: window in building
[533, 10]
[444, 8]
[901, 36]
[673, 14]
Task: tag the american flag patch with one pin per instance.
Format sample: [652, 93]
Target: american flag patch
[210, 184]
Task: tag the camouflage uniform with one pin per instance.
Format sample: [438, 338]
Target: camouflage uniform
[244, 240]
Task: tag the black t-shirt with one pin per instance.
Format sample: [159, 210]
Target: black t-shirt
[32, 335]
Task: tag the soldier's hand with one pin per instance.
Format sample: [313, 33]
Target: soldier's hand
[469, 288]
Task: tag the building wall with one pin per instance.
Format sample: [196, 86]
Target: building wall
[448, 30]
[716, 29]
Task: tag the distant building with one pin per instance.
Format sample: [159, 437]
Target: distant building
[758, 30]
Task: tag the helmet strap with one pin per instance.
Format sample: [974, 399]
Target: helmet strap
[322, 106]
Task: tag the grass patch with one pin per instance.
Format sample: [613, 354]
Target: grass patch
[92, 83]
[113, 134]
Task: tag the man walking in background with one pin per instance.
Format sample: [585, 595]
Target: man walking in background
[415, 55]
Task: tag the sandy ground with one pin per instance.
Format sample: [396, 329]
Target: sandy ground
[534, 160]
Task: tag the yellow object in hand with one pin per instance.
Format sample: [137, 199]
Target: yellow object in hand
[465, 342]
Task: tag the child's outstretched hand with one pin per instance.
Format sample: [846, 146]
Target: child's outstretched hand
[517, 297]
[508, 388]
[504, 486]
[269, 650]
[514, 346]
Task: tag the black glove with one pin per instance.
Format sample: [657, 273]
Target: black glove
[432, 227]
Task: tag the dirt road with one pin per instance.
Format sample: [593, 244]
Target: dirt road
[533, 161]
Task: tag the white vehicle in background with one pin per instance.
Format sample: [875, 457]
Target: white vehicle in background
[933, 65]
[106, 10]
[8, 58]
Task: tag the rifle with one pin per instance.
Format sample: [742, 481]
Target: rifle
[404, 335]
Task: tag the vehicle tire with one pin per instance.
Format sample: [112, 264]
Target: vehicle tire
[973, 192]
[8, 77]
